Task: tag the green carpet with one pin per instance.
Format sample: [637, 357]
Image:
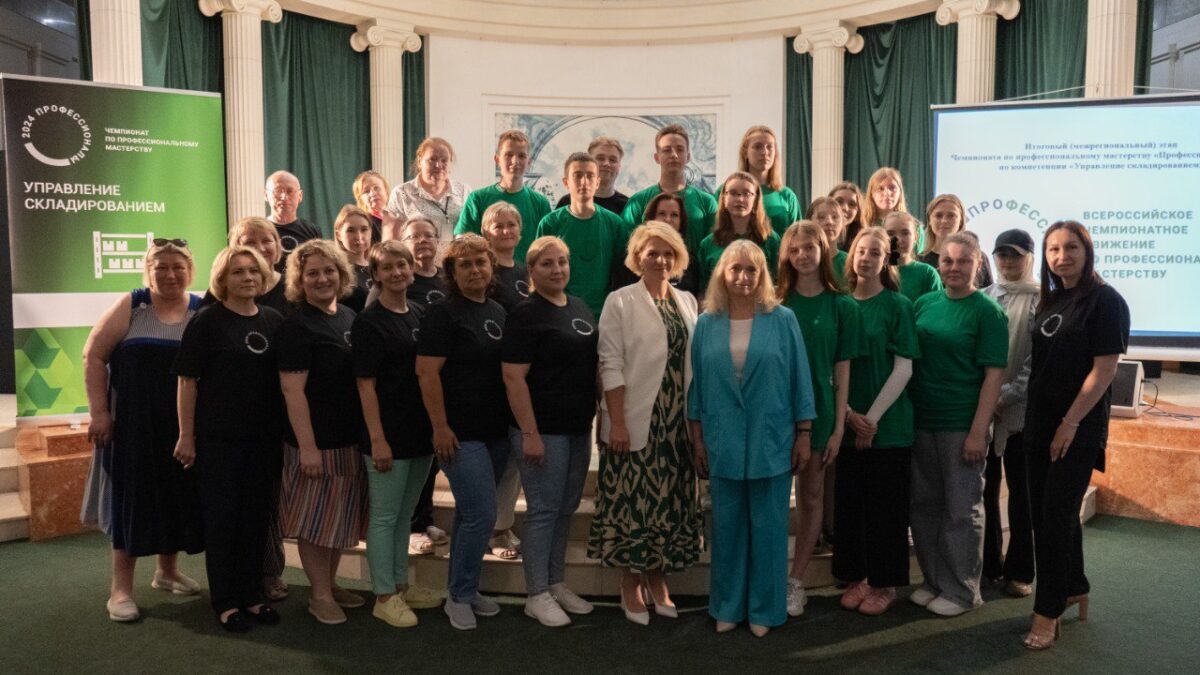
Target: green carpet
[1144, 612]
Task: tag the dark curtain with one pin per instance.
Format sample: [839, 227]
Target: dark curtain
[904, 68]
[83, 24]
[181, 48]
[316, 110]
[1145, 51]
[1044, 49]
[797, 134]
[413, 68]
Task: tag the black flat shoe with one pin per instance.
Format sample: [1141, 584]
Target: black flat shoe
[265, 616]
[236, 623]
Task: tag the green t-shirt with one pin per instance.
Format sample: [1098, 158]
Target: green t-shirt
[917, 279]
[595, 243]
[839, 267]
[531, 203]
[782, 207]
[831, 328]
[888, 330]
[959, 339]
[700, 206]
[710, 253]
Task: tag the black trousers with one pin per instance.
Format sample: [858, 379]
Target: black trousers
[235, 491]
[422, 516]
[871, 516]
[1056, 492]
[1017, 563]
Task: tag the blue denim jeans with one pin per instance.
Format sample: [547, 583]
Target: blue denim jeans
[473, 473]
[552, 494]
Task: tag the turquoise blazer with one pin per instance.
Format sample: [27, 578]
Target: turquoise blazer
[749, 426]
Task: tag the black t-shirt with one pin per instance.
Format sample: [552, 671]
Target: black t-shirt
[690, 281]
[1067, 336]
[362, 287]
[233, 360]
[292, 235]
[559, 344]
[512, 285]
[376, 228]
[425, 291]
[275, 298]
[385, 348]
[468, 334]
[319, 343]
[616, 203]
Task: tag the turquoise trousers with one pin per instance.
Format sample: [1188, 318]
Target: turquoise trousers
[748, 577]
[393, 496]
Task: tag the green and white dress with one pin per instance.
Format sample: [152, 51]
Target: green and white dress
[647, 507]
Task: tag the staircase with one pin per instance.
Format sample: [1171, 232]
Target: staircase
[14, 517]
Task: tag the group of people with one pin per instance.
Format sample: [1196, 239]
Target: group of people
[726, 340]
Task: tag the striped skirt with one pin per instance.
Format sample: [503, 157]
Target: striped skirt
[331, 510]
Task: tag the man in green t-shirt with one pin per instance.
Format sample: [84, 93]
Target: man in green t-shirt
[512, 158]
[672, 152]
[594, 235]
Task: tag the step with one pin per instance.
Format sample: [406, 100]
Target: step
[10, 461]
[8, 435]
[14, 518]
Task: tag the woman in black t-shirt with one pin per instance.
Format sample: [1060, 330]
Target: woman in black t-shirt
[501, 226]
[229, 409]
[259, 234]
[352, 232]
[399, 450]
[1079, 333]
[458, 365]
[324, 500]
[549, 366]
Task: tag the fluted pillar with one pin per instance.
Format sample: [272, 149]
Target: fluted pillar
[116, 41]
[828, 44]
[241, 25]
[386, 43]
[975, 79]
[1111, 47]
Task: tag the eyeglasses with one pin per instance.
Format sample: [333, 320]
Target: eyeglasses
[420, 237]
[181, 243]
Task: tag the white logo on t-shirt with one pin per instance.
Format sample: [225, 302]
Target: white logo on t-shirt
[1051, 325]
[582, 327]
[288, 242]
[256, 342]
[522, 288]
[433, 296]
[415, 332]
[346, 337]
[493, 329]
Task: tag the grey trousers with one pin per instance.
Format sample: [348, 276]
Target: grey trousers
[947, 516]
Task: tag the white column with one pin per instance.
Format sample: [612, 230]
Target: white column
[245, 175]
[1111, 48]
[386, 44]
[117, 41]
[975, 79]
[828, 44]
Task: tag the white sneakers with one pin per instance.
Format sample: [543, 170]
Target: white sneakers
[570, 602]
[544, 608]
[796, 599]
[925, 597]
[184, 585]
[922, 596]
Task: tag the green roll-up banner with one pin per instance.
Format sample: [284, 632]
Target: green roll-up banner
[95, 173]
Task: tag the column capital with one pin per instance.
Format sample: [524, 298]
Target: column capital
[952, 11]
[834, 34]
[268, 10]
[379, 33]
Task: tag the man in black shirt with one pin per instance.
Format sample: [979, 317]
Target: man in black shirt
[608, 153]
[284, 194]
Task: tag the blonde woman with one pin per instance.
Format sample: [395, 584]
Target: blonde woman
[352, 233]
[750, 411]
[885, 194]
[371, 194]
[228, 426]
[944, 217]
[154, 508]
[916, 278]
[827, 214]
[432, 193]
[647, 512]
[758, 156]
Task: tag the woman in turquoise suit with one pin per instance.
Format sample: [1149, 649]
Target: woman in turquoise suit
[750, 410]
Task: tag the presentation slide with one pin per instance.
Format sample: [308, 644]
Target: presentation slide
[1129, 170]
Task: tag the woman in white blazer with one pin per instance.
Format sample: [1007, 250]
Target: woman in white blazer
[647, 509]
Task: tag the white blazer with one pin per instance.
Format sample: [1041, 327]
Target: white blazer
[633, 354]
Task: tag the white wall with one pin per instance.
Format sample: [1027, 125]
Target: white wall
[469, 81]
[1176, 56]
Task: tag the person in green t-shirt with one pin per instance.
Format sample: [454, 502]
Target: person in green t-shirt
[672, 153]
[595, 236]
[964, 339]
[916, 278]
[828, 215]
[829, 323]
[740, 216]
[512, 158]
[759, 157]
[849, 198]
[871, 488]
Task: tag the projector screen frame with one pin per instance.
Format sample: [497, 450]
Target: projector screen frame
[1146, 347]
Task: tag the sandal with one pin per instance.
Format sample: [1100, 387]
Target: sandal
[275, 588]
[419, 543]
[1043, 633]
[505, 546]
